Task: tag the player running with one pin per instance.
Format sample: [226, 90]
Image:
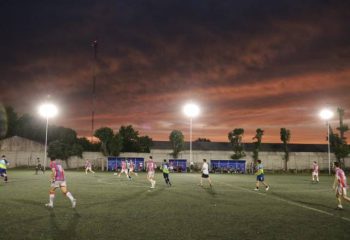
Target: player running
[132, 168]
[165, 168]
[205, 173]
[58, 181]
[315, 170]
[88, 167]
[260, 176]
[340, 185]
[151, 166]
[124, 169]
[3, 168]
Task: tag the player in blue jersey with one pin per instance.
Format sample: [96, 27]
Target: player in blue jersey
[260, 177]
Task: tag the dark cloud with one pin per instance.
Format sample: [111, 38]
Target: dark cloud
[249, 64]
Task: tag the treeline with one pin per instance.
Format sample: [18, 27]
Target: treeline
[64, 143]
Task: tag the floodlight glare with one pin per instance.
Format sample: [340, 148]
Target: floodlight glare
[191, 110]
[326, 114]
[48, 110]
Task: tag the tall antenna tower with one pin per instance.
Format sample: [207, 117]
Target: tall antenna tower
[94, 44]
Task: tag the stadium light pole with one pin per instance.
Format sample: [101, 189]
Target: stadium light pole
[327, 114]
[191, 110]
[47, 110]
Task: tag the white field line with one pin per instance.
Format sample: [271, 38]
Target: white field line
[289, 202]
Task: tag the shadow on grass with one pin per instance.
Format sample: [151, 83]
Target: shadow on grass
[69, 232]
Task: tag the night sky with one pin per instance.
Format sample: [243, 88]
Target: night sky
[248, 64]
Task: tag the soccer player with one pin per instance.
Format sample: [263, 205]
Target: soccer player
[151, 166]
[124, 169]
[260, 176]
[205, 173]
[340, 185]
[88, 167]
[132, 168]
[58, 181]
[315, 171]
[165, 168]
[3, 168]
[38, 167]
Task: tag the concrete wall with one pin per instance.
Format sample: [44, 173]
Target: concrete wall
[22, 152]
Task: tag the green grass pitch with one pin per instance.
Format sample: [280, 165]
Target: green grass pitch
[109, 207]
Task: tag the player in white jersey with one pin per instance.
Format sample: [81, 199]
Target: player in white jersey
[315, 170]
[131, 168]
[88, 167]
[340, 185]
[151, 167]
[205, 173]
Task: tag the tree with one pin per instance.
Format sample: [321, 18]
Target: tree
[105, 135]
[87, 145]
[62, 150]
[8, 121]
[177, 141]
[202, 140]
[338, 141]
[145, 143]
[235, 137]
[130, 139]
[285, 138]
[257, 144]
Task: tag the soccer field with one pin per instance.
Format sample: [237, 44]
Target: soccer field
[109, 207]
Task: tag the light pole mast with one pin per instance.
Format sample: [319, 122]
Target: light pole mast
[94, 44]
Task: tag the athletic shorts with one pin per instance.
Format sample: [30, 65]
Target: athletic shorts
[260, 178]
[165, 175]
[88, 168]
[341, 190]
[2, 171]
[314, 173]
[124, 170]
[150, 174]
[205, 175]
[58, 184]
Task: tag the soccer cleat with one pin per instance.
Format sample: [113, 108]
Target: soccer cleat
[339, 207]
[267, 188]
[74, 203]
[49, 205]
[256, 189]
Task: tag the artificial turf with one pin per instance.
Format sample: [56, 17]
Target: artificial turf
[109, 207]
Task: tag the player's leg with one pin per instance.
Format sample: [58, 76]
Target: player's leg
[68, 194]
[86, 170]
[338, 195]
[317, 179]
[51, 196]
[210, 183]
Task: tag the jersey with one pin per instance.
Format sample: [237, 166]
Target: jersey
[151, 166]
[315, 168]
[3, 164]
[259, 169]
[59, 171]
[123, 165]
[339, 173]
[131, 165]
[165, 168]
[88, 164]
[205, 168]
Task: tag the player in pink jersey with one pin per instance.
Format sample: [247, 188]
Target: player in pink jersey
[58, 181]
[340, 185]
[124, 170]
[151, 167]
[88, 167]
[315, 171]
